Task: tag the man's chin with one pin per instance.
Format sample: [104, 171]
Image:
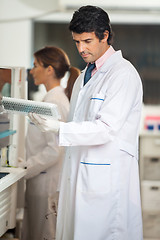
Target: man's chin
[86, 60]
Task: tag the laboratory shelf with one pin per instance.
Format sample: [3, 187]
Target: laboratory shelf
[7, 133]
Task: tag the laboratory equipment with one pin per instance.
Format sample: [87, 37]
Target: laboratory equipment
[13, 128]
[149, 171]
[22, 106]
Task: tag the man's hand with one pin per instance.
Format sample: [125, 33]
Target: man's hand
[45, 124]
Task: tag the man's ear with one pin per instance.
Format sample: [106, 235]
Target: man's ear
[106, 35]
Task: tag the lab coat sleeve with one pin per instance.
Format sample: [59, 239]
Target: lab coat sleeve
[84, 133]
[123, 98]
[45, 158]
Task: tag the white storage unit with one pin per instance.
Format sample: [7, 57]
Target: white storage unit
[150, 183]
[13, 149]
[8, 197]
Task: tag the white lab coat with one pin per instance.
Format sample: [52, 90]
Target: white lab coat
[99, 194]
[44, 163]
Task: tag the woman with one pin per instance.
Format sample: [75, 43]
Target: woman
[44, 157]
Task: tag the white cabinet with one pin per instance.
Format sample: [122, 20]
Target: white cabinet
[11, 149]
[8, 197]
[150, 183]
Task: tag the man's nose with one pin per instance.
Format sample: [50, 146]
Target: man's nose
[81, 47]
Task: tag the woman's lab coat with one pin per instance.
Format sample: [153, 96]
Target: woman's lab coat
[99, 194]
[44, 163]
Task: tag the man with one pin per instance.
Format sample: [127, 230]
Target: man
[99, 194]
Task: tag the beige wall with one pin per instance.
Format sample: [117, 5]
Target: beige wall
[16, 29]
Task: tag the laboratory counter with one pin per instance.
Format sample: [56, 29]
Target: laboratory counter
[14, 175]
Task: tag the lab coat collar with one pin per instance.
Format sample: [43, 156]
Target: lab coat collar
[111, 60]
[108, 62]
[117, 56]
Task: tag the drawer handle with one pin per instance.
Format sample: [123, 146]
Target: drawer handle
[154, 159]
[154, 188]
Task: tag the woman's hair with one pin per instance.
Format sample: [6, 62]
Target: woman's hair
[91, 19]
[58, 59]
[74, 73]
[55, 57]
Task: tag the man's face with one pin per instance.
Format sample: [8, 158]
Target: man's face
[89, 46]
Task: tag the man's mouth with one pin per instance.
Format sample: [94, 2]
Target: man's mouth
[84, 55]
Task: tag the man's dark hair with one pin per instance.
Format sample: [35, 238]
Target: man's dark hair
[91, 19]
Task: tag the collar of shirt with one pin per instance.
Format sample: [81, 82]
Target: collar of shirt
[102, 59]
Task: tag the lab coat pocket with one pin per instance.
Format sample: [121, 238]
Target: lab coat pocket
[96, 102]
[127, 147]
[94, 177]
